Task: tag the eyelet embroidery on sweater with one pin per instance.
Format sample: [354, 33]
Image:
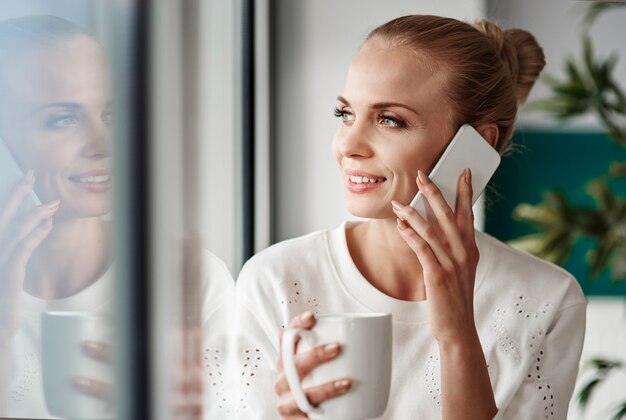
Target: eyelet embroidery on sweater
[295, 296]
[432, 379]
[252, 359]
[505, 342]
[534, 375]
[24, 387]
[521, 308]
[213, 365]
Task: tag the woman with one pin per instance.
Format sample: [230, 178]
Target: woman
[55, 120]
[479, 329]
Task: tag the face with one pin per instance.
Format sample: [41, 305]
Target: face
[393, 120]
[55, 118]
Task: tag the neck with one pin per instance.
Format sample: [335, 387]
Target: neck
[73, 256]
[385, 260]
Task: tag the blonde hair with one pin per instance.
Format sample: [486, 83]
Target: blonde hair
[488, 71]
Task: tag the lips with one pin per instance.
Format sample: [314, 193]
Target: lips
[94, 181]
[358, 181]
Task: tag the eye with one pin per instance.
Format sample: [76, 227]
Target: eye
[62, 121]
[391, 122]
[343, 114]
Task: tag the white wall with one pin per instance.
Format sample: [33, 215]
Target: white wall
[316, 41]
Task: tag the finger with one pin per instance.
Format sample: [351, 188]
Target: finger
[422, 250]
[463, 211]
[27, 246]
[426, 232]
[97, 350]
[316, 395]
[92, 387]
[17, 196]
[305, 321]
[31, 222]
[444, 215]
[306, 362]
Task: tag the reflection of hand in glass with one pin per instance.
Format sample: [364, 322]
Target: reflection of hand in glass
[55, 120]
[102, 353]
[19, 237]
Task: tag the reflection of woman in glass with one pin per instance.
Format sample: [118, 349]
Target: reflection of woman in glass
[471, 337]
[54, 118]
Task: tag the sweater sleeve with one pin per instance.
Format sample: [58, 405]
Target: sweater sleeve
[256, 346]
[549, 383]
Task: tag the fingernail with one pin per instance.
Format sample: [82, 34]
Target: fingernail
[81, 382]
[306, 317]
[342, 385]
[401, 224]
[331, 349]
[29, 178]
[53, 205]
[468, 176]
[421, 177]
[397, 206]
[92, 348]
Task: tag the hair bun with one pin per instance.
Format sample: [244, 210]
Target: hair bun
[520, 52]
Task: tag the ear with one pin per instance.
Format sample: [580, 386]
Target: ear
[490, 132]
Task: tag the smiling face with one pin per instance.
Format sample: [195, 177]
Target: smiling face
[394, 120]
[55, 118]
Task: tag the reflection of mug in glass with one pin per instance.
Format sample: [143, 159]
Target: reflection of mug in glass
[365, 358]
[63, 358]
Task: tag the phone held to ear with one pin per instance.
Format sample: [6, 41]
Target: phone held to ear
[10, 176]
[468, 149]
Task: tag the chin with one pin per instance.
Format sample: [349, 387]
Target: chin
[368, 210]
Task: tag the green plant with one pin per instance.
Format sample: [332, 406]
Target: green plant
[588, 88]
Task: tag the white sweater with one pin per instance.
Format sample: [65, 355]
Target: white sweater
[530, 316]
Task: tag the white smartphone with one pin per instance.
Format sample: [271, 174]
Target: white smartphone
[468, 149]
[10, 176]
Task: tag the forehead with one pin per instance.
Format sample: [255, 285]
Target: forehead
[384, 73]
[72, 70]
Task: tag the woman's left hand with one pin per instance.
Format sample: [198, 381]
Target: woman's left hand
[447, 251]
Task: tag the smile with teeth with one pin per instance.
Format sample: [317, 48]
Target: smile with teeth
[99, 179]
[365, 180]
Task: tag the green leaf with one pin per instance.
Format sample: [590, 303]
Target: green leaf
[621, 412]
[604, 365]
[538, 215]
[599, 257]
[585, 393]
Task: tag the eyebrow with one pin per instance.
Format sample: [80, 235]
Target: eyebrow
[66, 105]
[381, 104]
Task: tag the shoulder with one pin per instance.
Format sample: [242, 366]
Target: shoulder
[508, 269]
[283, 257]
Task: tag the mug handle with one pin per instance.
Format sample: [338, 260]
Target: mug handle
[289, 366]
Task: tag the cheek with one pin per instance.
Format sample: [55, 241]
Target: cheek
[45, 155]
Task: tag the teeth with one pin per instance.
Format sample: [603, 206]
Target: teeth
[364, 180]
[95, 179]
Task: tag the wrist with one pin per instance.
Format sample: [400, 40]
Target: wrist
[460, 345]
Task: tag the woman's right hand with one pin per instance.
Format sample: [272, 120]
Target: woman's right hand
[305, 363]
[19, 237]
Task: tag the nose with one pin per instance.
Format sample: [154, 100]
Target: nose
[98, 144]
[354, 141]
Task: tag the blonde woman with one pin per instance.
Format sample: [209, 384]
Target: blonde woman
[480, 330]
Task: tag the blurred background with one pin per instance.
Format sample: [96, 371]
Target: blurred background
[221, 131]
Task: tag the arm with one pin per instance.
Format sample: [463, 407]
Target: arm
[547, 388]
[449, 256]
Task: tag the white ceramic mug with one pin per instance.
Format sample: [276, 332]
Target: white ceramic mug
[63, 357]
[366, 340]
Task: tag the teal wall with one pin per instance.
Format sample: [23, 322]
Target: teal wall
[546, 160]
